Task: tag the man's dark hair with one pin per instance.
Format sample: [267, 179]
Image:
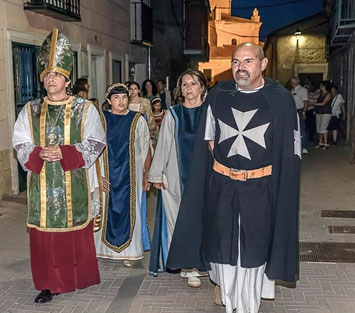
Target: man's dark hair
[161, 80]
[118, 90]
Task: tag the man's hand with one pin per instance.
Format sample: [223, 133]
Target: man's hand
[159, 186]
[51, 154]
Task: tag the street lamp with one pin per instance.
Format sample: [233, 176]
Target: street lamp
[297, 34]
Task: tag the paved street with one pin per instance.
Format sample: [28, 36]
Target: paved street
[328, 183]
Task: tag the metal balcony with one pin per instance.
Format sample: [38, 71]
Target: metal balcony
[65, 10]
[342, 22]
[141, 23]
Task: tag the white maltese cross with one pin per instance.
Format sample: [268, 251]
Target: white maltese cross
[255, 134]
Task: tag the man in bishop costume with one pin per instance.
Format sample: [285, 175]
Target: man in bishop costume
[239, 213]
[124, 233]
[57, 139]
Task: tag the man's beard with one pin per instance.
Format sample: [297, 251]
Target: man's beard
[245, 80]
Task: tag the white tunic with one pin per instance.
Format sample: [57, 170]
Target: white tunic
[135, 250]
[164, 169]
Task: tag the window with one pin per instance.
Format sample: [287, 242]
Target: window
[116, 71]
[234, 42]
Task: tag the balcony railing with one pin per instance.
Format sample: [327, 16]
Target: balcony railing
[343, 22]
[65, 10]
[141, 23]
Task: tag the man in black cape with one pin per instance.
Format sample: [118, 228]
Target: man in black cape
[239, 212]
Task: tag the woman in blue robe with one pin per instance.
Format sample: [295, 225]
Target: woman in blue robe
[170, 166]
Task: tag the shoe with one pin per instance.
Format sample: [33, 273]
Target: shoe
[217, 296]
[194, 282]
[44, 296]
[319, 145]
[304, 151]
[127, 263]
[325, 147]
[187, 274]
[334, 143]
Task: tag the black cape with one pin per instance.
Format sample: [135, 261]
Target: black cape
[186, 250]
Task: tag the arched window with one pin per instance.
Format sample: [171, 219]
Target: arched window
[234, 42]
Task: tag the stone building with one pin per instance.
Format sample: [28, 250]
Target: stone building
[300, 50]
[100, 32]
[224, 33]
[342, 57]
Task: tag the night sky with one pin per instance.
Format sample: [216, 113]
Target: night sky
[276, 13]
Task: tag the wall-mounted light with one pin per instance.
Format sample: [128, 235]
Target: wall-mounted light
[297, 34]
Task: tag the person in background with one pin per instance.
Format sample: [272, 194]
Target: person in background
[175, 94]
[338, 112]
[171, 165]
[158, 111]
[180, 99]
[123, 235]
[158, 114]
[164, 94]
[149, 90]
[141, 105]
[81, 88]
[313, 96]
[323, 114]
[58, 139]
[300, 95]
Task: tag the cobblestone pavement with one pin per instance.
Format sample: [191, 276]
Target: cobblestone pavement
[328, 182]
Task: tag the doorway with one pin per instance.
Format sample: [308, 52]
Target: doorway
[313, 78]
[26, 86]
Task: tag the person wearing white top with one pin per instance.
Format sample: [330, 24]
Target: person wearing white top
[338, 112]
[300, 94]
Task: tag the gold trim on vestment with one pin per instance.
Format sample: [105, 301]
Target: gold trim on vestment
[63, 102]
[43, 185]
[29, 116]
[67, 174]
[68, 102]
[56, 69]
[83, 121]
[53, 50]
[103, 202]
[132, 173]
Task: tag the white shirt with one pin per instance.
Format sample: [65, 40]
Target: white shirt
[300, 94]
[337, 100]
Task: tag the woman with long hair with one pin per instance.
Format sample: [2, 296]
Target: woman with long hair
[149, 90]
[141, 105]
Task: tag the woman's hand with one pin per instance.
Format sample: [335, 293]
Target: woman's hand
[160, 186]
[146, 183]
